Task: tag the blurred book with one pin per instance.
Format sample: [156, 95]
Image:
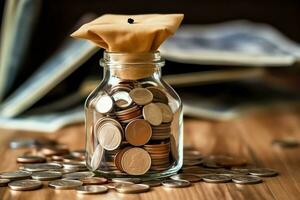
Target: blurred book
[50, 98]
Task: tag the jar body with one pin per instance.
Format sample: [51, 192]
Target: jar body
[134, 124]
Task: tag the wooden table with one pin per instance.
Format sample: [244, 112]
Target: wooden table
[249, 136]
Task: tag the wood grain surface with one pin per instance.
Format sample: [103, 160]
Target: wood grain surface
[249, 136]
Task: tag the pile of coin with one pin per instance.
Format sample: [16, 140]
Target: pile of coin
[131, 130]
[70, 173]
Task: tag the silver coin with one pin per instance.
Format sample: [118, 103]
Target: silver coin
[91, 189]
[216, 178]
[187, 177]
[122, 99]
[264, 172]
[97, 157]
[4, 182]
[104, 104]
[175, 183]
[41, 167]
[78, 175]
[246, 179]
[64, 184]
[25, 185]
[46, 175]
[132, 188]
[153, 183]
[15, 175]
[75, 165]
[21, 143]
[126, 180]
[113, 185]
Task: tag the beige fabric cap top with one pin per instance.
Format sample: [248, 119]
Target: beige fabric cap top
[130, 33]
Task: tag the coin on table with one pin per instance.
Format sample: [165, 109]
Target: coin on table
[78, 175]
[93, 180]
[31, 159]
[167, 114]
[158, 94]
[264, 172]
[138, 132]
[4, 182]
[104, 104]
[75, 165]
[132, 188]
[15, 175]
[152, 113]
[109, 136]
[91, 189]
[141, 96]
[136, 161]
[244, 179]
[126, 180]
[25, 185]
[64, 184]
[113, 185]
[46, 175]
[216, 178]
[122, 99]
[96, 158]
[187, 177]
[176, 183]
[153, 183]
[42, 167]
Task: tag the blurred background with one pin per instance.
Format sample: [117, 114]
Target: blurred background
[229, 58]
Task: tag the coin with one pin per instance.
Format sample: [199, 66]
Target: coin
[78, 175]
[64, 184]
[25, 185]
[104, 104]
[31, 159]
[141, 96]
[187, 177]
[46, 175]
[42, 167]
[138, 132]
[153, 183]
[244, 179]
[176, 183]
[96, 158]
[264, 172]
[126, 180]
[109, 136]
[113, 184]
[93, 180]
[4, 182]
[216, 178]
[122, 99]
[15, 175]
[91, 189]
[158, 95]
[152, 113]
[136, 161]
[54, 150]
[167, 114]
[287, 142]
[132, 188]
[75, 165]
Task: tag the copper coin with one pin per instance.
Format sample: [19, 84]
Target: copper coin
[31, 159]
[138, 132]
[152, 113]
[167, 114]
[136, 161]
[93, 180]
[141, 96]
[158, 95]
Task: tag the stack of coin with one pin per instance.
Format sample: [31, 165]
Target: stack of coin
[159, 154]
[133, 125]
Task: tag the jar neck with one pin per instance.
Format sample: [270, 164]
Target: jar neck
[132, 66]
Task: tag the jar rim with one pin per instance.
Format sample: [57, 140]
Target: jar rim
[115, 59]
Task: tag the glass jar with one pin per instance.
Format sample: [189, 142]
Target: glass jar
[134, 120]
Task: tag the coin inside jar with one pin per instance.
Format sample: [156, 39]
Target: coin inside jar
[138, 132]
[136, 161]
[97, 157]
[141, 96]
[109, 136]
[167, 114]
[158, 95]
[152, 113]
[104, 104]
[122, 99]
